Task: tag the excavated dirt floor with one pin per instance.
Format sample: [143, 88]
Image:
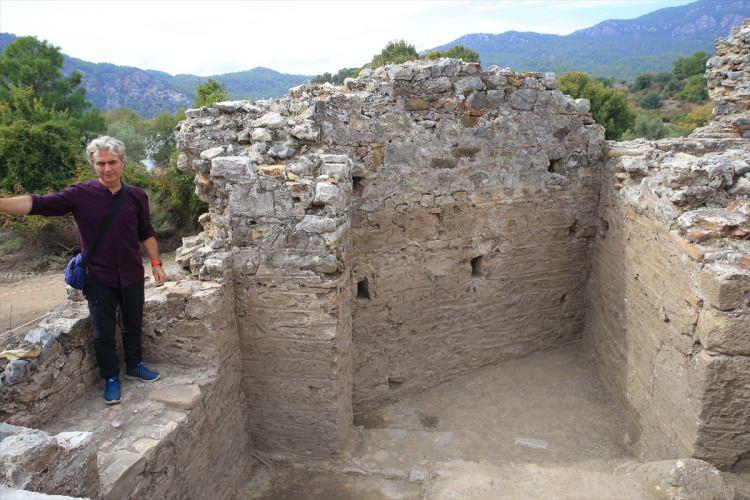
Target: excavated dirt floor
[535, 427]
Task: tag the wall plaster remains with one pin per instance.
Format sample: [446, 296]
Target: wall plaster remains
[373, 240]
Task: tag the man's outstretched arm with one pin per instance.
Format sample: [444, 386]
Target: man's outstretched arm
[17, 205]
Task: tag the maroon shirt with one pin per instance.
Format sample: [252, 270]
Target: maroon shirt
[117, 260]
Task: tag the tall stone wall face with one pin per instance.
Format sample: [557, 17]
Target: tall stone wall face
[668, 316]
[472, 219]
[421, 221]
[669, 293]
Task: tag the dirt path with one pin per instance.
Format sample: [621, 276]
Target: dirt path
[28, 298]
[25, 300]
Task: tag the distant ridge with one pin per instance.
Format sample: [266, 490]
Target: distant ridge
[150, 92]
[619, 48]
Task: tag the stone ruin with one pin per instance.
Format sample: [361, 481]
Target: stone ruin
[371, 241]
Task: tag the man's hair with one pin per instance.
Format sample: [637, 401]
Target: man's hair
[105, 142]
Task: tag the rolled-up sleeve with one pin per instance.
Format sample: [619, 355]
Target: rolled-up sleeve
[145, 231]
[55, 204]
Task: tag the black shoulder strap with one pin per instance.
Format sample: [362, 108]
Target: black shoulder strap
[106, 223]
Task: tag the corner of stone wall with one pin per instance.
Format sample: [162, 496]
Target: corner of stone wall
[669, 294]
[279, 219]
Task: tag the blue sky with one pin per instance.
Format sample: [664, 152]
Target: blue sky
[206, 38]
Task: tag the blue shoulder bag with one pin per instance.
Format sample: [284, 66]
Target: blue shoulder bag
[75, 271]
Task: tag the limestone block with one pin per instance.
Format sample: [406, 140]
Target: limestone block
[467, 84]
[307, 130]
[270, 120]
[523, 99]
[583, 106]
[725, 287]
[181, 396]
[400, 72]
[339, 170]
[281, 151]
[211, 153]
[327, 264]
[34, 460]
[231, 166]
[440, 84]
[727, 333]
[326, 193]
[550, 81]
[229, 106]
[125, 469]
[261, 135]
[317, 224]
[15, 371]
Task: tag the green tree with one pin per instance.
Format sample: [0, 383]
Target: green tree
[694, 89]
[456, 52]
[160, 137]
[134, 140]
[647, 127]
[324, 78]
[609, 107]
[650, 100]
[39, 150]
[44, 118]
[206, 94]
[28, 62]
[685, 67]
[336, 79]
[395, 53]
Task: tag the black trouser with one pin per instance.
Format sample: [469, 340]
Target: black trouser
[103, 301]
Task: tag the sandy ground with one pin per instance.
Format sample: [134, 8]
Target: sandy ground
[27, 299]
[31, 297]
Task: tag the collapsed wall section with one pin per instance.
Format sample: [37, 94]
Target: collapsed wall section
[418, 222]
[669, 292]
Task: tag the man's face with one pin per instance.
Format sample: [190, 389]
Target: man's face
[108, 168]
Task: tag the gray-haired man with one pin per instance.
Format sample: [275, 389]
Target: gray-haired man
[114, 275]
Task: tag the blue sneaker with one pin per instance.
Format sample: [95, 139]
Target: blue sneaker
[140, 372]
[112, 391]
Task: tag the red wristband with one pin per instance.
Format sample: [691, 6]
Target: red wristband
[155, 263]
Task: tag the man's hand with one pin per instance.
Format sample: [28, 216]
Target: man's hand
[159, 275]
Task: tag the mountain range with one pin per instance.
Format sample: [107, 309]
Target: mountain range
[150, 92]
[614, 48]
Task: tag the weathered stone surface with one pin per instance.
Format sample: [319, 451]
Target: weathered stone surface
[668, 312]
[270, 120]
[62, 464]
[683, 478]
[182, 396]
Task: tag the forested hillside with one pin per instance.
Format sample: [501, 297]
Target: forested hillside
[150, 92]
[614, 48]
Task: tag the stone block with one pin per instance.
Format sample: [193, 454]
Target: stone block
[727, 333]
[181, 396]
[62, 464]
[725, 287]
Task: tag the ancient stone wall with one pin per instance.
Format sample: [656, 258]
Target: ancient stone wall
[670, 281]
[186, 439]
[421, 221]
[471, 224]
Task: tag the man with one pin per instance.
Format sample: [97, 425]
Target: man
[114, 274]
